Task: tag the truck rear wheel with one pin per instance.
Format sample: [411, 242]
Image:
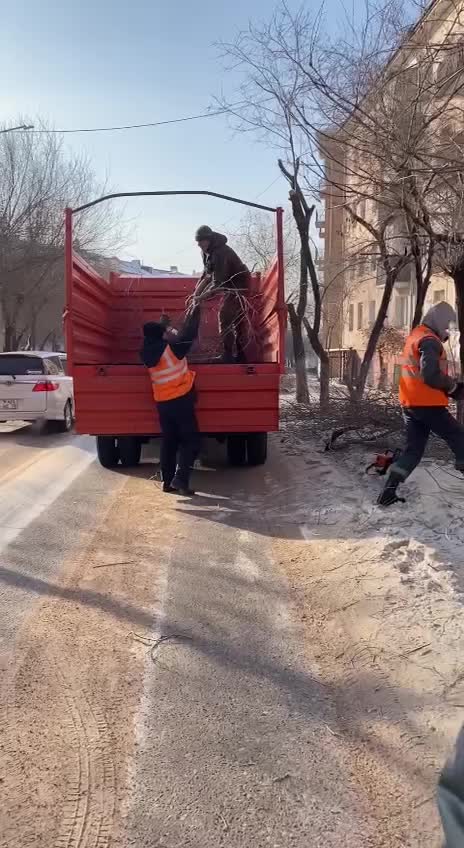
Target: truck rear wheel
[256, 445]
[129, 448]
[236, 449]
[107, 451]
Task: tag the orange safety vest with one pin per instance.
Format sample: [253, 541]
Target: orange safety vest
[412, 389]
[171, 377]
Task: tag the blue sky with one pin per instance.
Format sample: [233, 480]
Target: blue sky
[96, 62]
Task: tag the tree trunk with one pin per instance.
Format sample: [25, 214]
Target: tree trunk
[459, 288]
[374, 336]
[302, 393]
[419, 305]
[383, 382]
[10, 341]
[324, 382]
[323, 356]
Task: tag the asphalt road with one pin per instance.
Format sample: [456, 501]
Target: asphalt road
[156, 686]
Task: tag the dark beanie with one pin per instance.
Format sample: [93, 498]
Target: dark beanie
[154, 330]
[204, 232]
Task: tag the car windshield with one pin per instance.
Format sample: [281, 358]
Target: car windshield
[19, 366]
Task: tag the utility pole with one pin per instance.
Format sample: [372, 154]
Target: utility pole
[12, 129]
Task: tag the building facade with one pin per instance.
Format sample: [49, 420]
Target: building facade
[353, 272]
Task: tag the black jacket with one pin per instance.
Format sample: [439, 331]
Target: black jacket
[154, 344]
[224, 266]
[430, 356]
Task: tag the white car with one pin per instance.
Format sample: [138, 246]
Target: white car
[34, 387]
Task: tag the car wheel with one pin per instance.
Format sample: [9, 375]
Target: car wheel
[256, 448]
[107, 451]
[66, 425]
[130, 449]
[236, 449]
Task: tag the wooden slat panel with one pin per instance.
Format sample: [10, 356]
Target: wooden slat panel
[142, 401]
[205, 381]
[92, 338]
[153, 285]
[127, 423]
[107, 326]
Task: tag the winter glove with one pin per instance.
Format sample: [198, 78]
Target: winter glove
[458, 392]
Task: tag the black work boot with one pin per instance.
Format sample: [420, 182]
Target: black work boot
[181, 488]
[388, 495]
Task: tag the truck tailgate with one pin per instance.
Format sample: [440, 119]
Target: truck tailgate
[117, 399]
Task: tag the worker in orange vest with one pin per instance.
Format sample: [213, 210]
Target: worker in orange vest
[424, 391]
[172, 381]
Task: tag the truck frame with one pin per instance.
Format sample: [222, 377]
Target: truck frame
[237, 403]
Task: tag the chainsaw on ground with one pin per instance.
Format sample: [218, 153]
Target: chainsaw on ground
[382, 462]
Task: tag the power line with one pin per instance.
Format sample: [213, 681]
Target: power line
[210, 114]
[268, 187]
[14, 129]
[232, 217]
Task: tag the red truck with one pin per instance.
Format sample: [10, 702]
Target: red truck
[237, 403]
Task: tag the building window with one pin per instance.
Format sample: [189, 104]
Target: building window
[351, 318]
[371, 311]
[360, 316]
[401, 311]
[439, 295]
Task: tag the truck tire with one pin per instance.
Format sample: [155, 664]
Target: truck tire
[130, 449]
[236, 449]
[256, 445]
[107, 451]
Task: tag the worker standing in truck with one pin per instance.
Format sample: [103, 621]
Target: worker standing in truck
[224, 271]
[173, 386]
[424, 391]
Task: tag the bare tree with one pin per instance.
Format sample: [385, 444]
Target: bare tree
[267, 96]
[390, 343]
[256, 241]
[38, 178]
[383, 104]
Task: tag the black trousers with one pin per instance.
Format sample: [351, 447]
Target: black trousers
[180, 440]
[420, 422]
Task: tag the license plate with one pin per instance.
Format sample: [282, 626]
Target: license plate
[8, 404]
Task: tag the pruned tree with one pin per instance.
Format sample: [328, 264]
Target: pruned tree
[268, 92]
[256, 241]
[38, 178]
[389, 344]
[375, 116]
[383, 105]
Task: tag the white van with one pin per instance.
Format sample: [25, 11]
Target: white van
[34, 387]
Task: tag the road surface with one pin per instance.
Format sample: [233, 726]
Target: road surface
[157, 687]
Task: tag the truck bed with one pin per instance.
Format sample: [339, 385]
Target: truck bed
[112, 389]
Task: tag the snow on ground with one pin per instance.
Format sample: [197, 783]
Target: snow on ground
[393, 582]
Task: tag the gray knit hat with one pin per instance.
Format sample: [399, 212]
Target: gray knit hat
[203, 233]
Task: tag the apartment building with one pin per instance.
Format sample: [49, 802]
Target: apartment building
[353, 274]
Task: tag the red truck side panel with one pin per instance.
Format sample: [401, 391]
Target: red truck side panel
[118, 400]
[104, 335]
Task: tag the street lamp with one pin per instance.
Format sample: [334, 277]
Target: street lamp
[22, 127]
